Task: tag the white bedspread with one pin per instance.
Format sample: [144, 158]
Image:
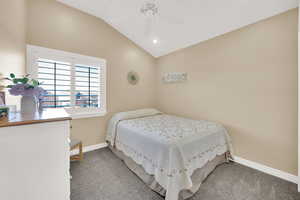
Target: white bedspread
[169, 147]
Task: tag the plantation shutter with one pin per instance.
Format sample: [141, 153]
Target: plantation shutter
[87, 86]
[55, 78]
[72, 81]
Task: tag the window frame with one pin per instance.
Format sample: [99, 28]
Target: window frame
[36, 52]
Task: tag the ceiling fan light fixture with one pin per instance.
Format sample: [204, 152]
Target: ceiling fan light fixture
[149, 8]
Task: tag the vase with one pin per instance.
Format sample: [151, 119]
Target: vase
[29, 104]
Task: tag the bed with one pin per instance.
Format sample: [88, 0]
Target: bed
[172, 155]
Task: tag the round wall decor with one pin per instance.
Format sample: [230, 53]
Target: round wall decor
[133, 78]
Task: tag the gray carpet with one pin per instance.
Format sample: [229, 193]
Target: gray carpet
[102, 176]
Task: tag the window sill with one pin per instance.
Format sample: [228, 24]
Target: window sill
[82, 115]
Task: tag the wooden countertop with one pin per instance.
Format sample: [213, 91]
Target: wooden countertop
[47, 115]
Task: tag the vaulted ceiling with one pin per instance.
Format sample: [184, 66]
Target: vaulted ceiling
[179, 23]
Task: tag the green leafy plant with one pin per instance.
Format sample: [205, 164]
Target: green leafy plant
[24, 86]
[30, 83]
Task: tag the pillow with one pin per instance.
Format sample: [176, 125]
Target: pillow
[113, 122]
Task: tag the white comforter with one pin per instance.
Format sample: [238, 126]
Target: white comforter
[168, 147]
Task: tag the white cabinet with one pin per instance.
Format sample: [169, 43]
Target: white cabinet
[34, 161]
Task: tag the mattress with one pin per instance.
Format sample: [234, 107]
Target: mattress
[167, 147]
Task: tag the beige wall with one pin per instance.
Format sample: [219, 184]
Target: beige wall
[54, 25]
[247, 80]
[12, 38]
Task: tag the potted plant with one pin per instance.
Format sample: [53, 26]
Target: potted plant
[30, 91]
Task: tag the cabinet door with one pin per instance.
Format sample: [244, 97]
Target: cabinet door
[34, 162]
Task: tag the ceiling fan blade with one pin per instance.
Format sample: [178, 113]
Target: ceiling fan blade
[111, 5]
[148, 27]
[171, 15]
[171, 19]
[124, 18]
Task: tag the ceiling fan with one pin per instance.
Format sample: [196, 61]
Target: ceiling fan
[151, 8]
[152, 12]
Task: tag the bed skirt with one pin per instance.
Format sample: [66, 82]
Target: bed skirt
[198, 176]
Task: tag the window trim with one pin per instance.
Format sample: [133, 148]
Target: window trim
[35, 52]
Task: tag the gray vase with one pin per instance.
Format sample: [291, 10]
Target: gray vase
[29, 104]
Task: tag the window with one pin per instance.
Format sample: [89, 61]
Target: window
[55, 78]
[72, 81]
[87, 86]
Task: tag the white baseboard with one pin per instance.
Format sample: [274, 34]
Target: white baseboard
[90, 148]
[268, 170]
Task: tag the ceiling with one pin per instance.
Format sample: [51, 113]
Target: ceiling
[179, 23]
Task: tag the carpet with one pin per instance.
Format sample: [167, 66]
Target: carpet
[102, 176]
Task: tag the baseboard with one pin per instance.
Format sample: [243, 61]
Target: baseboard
[90, 148]
[268, 170]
